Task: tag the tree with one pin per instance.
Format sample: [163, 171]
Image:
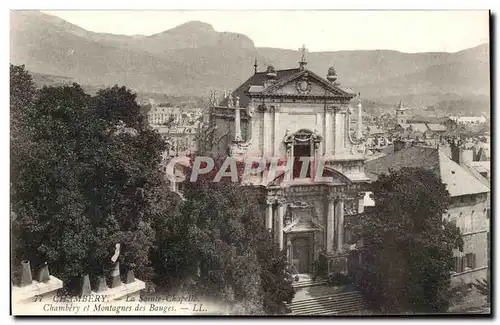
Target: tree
[219, 245]
[84, 177]
[408, 254]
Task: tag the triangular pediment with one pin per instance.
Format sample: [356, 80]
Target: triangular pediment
[307, 83]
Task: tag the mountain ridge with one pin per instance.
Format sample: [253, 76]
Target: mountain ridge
[193, 58]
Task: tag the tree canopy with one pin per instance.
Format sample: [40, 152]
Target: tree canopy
[82, 179]
[85, 175]
[220, 242]
[408, 254]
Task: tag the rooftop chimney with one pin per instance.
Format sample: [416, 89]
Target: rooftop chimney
[457, 152]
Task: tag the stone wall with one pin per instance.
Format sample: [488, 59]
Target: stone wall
[470, 215]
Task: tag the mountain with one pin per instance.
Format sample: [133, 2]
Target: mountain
[194, 58]
[50, 45]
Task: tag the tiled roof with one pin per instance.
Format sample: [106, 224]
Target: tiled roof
[256, 85]
[436, 127]
[458, 180]
[427, 119]
[419, 127]
[257, 79]
[404, 125]
[476, 171]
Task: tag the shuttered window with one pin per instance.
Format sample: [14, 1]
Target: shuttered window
[470, 260]
[460, 263]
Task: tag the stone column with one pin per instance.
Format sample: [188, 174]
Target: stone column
[340, 224]
[281, 213]
[276, 138]
[346, 130]
[330, 226]
[266, 125]
[333, 126]
[269, 214]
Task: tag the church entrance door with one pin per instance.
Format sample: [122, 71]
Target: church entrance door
[301, 253]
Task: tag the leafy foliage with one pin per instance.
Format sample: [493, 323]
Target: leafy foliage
[408, 256]
[218, 245]
[85, 175]
[81, 179]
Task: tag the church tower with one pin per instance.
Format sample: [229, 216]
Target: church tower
[401, 114]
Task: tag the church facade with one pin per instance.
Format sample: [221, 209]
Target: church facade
[291, 114]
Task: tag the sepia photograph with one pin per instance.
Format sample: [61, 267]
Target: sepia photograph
[250, 163]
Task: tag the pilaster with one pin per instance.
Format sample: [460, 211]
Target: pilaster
[269, 214]
[276, 139]
[281, 214]
[340, 223]
[328, 132]
[330, 225]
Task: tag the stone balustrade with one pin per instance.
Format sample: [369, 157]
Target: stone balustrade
[27, 288]
[44, 285]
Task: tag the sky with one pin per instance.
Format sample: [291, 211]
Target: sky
[405, 31]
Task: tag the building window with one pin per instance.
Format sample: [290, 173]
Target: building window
[459, 264]
[470, 261]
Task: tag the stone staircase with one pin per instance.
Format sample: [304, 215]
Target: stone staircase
[315, 298]
[335, 304]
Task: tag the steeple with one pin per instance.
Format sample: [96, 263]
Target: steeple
[255, 66]
[303, 62]
[400, 113]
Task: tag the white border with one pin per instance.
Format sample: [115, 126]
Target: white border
[186, 4]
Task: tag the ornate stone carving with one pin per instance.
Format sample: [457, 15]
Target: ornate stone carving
[303, 86]
[360, 195]
[270, 200]
[250, 108]
[230, 101]
[238, 149]
[276, 108]
[359, 148]
[263, 108]
[280, 200]
[302, 136]
[340, 196]
[350, 207]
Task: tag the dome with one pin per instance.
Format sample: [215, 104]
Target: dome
[332, 74]
[271, 72]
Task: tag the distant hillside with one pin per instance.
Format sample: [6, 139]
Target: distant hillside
[193, 58]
